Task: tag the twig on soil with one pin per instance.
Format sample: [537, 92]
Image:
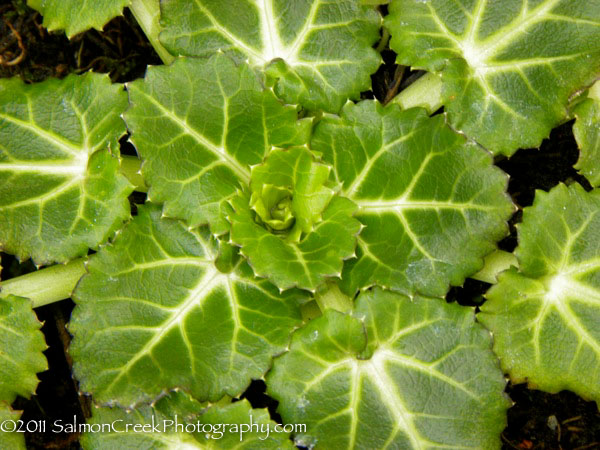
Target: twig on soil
[509, 442]
[18, 59]
[592, 445]
[572, 419]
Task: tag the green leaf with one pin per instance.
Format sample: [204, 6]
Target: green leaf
[432, 203]
[318, 53]
[398, 373]
[241, 413]
[198, 125]
[60, 188]
[155, 429]
[75, 17]
[8, 439]
[21, 347]
[177, 421]
[508, 67]
[155, 314]
[318, 232]
[546, 317]
[587, 133]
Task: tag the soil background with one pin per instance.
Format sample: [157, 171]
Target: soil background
[537, 420]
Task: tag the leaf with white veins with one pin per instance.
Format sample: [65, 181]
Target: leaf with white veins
[199, 124]
[546, 317]
[155, 314]
[508, 67]
[399, 373]
[60, 187]
[433, 204]
[317, 52]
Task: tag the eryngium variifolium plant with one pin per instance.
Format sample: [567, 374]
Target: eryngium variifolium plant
[295, 234]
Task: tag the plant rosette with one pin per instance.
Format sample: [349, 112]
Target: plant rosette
[295, 234]
[293, 227]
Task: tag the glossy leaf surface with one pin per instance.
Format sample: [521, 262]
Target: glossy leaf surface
[432, 203]
[60, 187]
[508, 67]
[155, 314]
[398, 373]
[317, 52]
[198, 125]
[546, 317]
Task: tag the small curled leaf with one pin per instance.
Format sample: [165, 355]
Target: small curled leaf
[292, 226]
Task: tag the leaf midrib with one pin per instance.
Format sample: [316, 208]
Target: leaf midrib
[242, 172]
[207, 283]
[374, 370]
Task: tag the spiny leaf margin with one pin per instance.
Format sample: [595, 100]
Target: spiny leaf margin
[438, 195]
[198, 125]
[155, 314]
[60, 187]
[73, 17]
[191, 414]
[545, 316]
[398, 372]
[317, 53]
[508, 68]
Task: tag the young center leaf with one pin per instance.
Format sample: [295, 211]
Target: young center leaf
[199, 124]
[60, 187]
[317, 52]
[546, 317]
[292, 226]
[75, 17]
[432, 204]
[398, 373]
[197, 427]
[587, 133]
[155, 313]
[508, 68]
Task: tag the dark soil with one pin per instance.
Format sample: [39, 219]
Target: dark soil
[536, 421]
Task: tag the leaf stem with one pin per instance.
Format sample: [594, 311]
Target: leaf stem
[385, 37]
[47, 285]
[329, 296]
[426, 92]
[494, 263]
[147, 14]
[131, 167]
